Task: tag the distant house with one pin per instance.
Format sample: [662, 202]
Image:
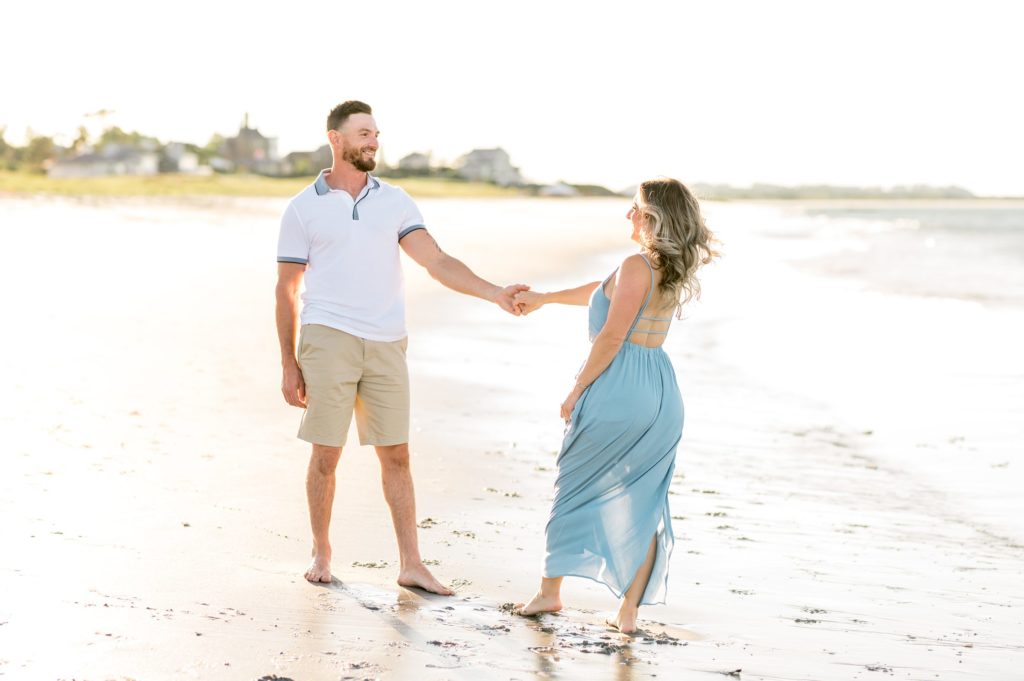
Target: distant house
[558, 189]
[488, 165]
[113, 159]
[250, 151]
[177, 158]
[303, 163]
[415, 163]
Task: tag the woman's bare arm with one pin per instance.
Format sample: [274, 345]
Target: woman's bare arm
[528, 301]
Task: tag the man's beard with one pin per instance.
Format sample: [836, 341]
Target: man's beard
[355, 157]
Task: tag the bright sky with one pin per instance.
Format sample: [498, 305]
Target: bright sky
[866, 92]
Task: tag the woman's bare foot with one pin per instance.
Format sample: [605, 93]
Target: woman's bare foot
[539, 604]
[320, 569]
[625, 621]
[419, 576]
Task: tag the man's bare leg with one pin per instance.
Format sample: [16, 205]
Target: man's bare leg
[320, 481]
[396, 478]
[548, 599]
[625, 621]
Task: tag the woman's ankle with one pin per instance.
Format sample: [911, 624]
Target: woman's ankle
[550, 588]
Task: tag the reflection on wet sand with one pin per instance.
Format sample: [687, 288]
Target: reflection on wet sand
[467, 635]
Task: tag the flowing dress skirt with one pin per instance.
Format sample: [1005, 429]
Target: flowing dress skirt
[614, 471]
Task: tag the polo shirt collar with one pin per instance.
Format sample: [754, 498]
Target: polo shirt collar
[322, 187]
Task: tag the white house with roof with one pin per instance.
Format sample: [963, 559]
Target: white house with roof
[178, 159]
[488, 165]
[415, 162]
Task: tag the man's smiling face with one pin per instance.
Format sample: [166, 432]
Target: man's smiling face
[357, 140]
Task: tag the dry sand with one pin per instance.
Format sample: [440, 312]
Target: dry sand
[152, 496]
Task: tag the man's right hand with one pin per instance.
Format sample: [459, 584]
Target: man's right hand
[505, 298]
[528, 301]
[293, 387]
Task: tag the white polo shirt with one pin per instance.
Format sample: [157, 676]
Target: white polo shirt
[353, 279]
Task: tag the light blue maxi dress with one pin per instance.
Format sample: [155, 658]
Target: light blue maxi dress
[615, 467]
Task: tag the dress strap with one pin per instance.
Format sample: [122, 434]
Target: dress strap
[650, 293]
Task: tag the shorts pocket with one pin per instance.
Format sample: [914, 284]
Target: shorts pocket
[305, 345]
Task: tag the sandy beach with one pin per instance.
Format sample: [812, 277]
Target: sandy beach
[847, 497]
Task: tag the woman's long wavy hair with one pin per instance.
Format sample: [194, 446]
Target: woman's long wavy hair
[676, 238]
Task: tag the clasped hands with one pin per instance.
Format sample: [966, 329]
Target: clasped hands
[518, 299]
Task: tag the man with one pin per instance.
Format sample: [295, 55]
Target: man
[342, 234]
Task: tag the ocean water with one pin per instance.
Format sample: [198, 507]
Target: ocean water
[962, 251]
[906, 320]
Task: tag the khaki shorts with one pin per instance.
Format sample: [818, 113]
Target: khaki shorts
[344, 373]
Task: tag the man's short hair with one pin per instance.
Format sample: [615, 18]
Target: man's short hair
[340, 113]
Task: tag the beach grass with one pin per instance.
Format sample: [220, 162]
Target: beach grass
[224, 185]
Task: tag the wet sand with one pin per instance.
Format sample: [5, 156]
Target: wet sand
[153, 500]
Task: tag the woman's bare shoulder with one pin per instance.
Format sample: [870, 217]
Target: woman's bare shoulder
[634, 267]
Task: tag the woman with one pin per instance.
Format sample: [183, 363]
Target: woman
[610, 519]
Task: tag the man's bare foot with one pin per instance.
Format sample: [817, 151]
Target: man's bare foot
[539, 604]
[419, 576]
[625, 622]
[320, 569]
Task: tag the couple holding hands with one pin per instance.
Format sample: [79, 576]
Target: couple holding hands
[610, 518]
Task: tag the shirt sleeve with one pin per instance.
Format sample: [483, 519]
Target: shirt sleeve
[293, 242]
[412, 219]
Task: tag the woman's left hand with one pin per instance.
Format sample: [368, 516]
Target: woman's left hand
[570, 402]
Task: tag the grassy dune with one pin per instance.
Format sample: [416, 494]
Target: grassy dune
[222, 185]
